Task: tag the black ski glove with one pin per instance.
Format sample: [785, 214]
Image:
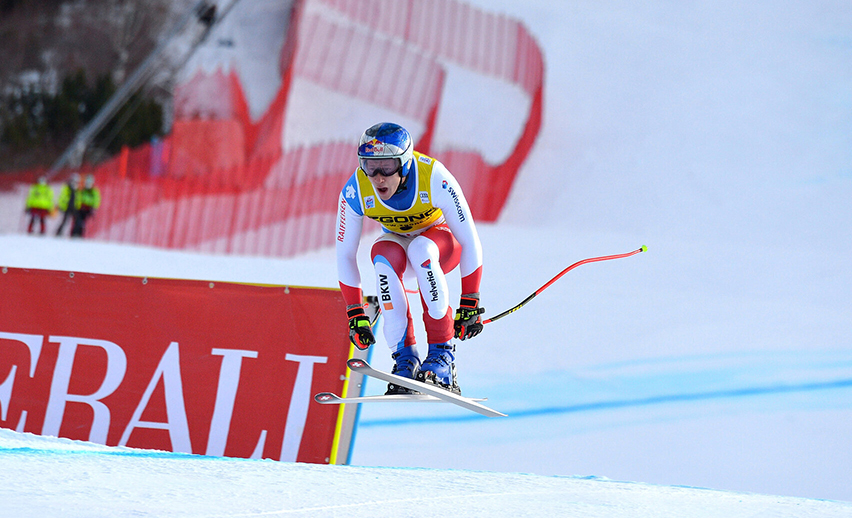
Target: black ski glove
[468, 323]
[360, 332]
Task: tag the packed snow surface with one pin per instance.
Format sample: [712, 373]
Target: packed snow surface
[57, 477]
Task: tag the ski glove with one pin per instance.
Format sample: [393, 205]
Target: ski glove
[360, 332]
[468, 323]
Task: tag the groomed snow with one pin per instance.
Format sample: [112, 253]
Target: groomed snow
[57, 477]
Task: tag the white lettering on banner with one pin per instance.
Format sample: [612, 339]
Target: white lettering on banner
[33, 343]
[226, 394]
[168, 370]
[297, 414]
[59, 396]
[258, 449]
[22, 422]
[6, 392]
[176, 421]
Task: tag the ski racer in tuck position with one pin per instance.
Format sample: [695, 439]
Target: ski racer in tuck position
[428, 231]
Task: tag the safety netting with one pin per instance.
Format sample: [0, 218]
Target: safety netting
[227, 180]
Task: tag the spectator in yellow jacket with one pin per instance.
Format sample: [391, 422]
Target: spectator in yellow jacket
[39, 204]
[68, 200]
[87, 202]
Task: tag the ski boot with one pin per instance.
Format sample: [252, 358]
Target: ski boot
[438, 367]
[407, 365]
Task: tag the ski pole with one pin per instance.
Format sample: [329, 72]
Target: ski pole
[563, 272]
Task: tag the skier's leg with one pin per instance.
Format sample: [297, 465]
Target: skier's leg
[432, 254]
[389, 261]
[424, 256]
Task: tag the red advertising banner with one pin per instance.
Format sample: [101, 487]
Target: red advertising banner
[185, 366]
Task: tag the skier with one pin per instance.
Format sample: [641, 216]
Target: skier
[39, 204]
[428, 231]
[67, 200]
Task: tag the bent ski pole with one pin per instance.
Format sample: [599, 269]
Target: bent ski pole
[563, 272]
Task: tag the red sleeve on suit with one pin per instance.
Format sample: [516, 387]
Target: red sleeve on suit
[352, 295]
[470, 283]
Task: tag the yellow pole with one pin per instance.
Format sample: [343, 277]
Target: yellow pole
[338, 427]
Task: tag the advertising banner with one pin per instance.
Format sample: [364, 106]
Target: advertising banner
[186, 366]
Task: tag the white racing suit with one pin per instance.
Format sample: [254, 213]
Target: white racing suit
[428, 229]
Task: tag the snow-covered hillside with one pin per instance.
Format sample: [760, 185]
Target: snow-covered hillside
[716, 133]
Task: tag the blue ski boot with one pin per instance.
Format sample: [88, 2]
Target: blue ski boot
[438, 367]
[407, 365]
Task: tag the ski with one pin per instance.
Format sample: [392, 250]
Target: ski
[330, 398]
[364, 368]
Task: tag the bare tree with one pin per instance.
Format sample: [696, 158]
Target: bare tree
[110, 36]
[45, 41]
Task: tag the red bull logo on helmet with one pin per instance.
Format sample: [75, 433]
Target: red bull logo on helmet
[373, 147]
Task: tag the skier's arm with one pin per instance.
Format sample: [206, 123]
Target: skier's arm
[448, 196]
[451, 200]
[347, 237]
[350, 221]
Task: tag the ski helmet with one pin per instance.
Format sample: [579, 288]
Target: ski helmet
[387, 140]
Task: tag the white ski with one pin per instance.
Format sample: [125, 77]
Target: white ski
[364, 368]
[330, 398]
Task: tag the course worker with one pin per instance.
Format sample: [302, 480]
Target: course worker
[39, 204]
[67, 200]
[86, 203]
[428, 230]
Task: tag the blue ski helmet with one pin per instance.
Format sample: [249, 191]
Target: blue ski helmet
[387, 140]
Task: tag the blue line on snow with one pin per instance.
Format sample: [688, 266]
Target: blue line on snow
[625, 403]
[116, 453]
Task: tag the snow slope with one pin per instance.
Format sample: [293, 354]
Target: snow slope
[716, 133]
[57, 477]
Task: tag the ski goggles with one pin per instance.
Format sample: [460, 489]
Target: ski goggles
[382, 166]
